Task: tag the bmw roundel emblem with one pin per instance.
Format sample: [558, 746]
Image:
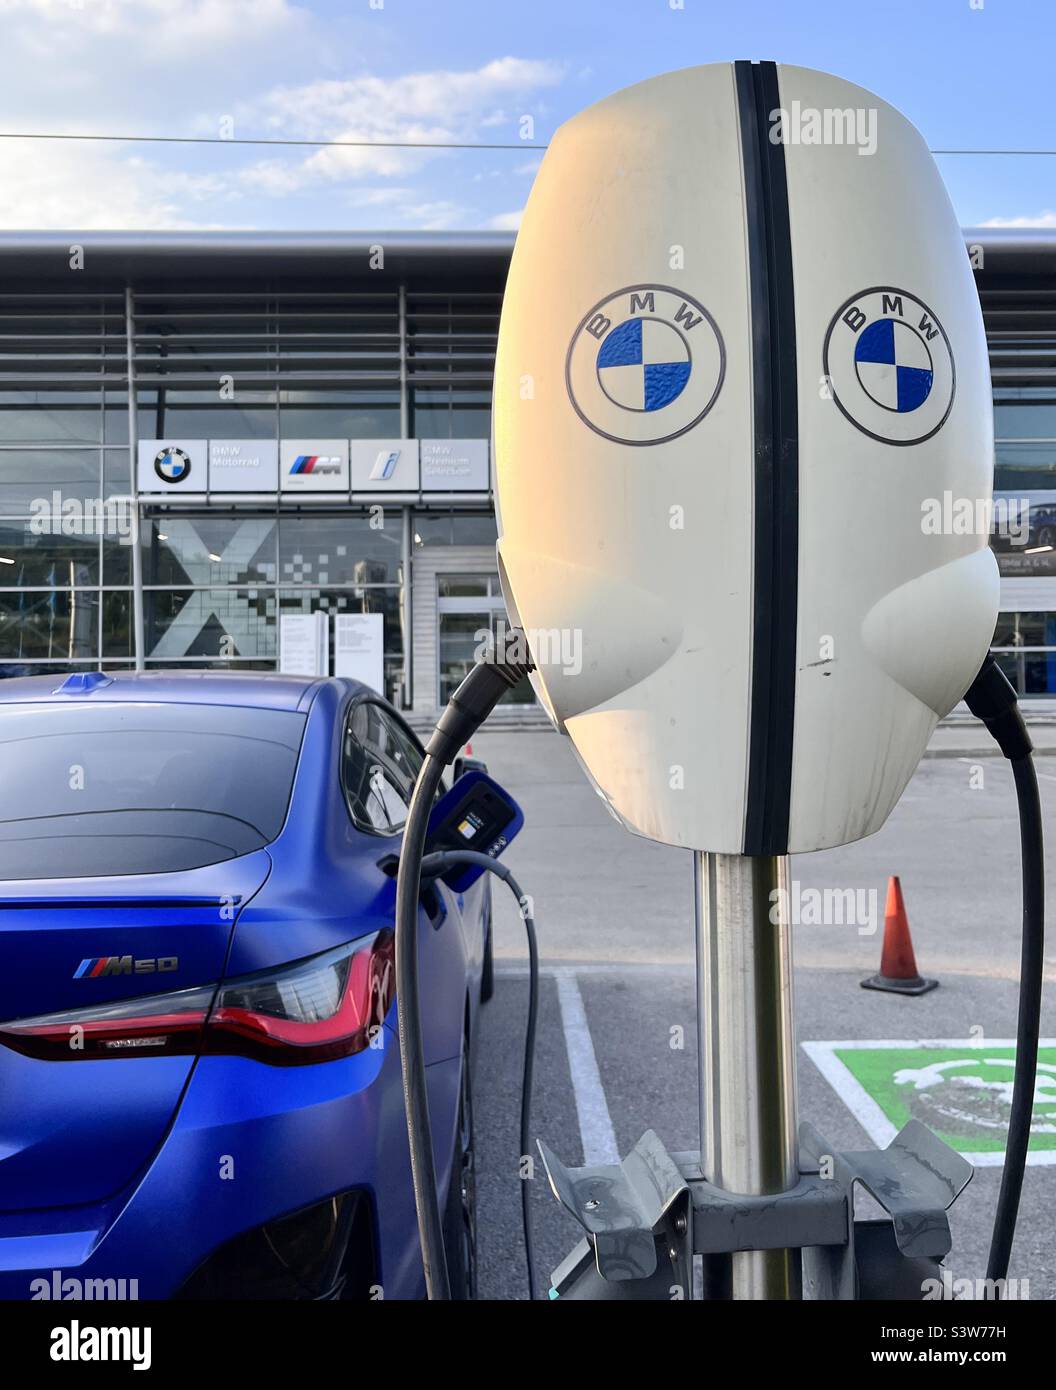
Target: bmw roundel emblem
[172, 465]
[889, 365]
[645, 365]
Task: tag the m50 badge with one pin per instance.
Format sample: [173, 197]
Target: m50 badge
[97, 966]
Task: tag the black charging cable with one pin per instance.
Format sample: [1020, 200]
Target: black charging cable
[467, 709]
[992, 699]
[435, 864]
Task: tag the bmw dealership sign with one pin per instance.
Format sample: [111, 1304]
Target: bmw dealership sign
[260, 466]
[243, 465]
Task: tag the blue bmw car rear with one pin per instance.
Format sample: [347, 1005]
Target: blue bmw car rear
[198, 1057]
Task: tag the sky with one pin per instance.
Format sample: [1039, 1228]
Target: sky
[969, 73]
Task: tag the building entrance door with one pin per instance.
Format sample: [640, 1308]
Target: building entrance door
[469, 608]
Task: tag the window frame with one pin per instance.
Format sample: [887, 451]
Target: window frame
[369, 698]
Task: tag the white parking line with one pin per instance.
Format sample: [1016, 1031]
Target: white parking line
[595, 1123]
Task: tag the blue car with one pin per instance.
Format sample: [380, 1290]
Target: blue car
[200, 1090]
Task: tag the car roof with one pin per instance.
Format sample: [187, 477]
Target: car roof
[257, 689]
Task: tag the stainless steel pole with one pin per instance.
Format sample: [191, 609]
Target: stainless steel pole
[746, 1046]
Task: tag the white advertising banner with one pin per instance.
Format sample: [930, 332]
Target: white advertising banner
[172, 465]
[304, 644]
[359, 648]
[313, 465]
[454, 465]
[243, 465]
[383, 465]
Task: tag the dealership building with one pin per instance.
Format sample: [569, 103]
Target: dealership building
[301, 422]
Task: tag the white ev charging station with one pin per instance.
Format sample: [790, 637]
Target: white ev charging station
[733, 365]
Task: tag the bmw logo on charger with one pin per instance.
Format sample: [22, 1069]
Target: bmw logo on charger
[645, 365]
[890, 366]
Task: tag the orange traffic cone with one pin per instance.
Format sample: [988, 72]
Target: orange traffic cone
[898, 965]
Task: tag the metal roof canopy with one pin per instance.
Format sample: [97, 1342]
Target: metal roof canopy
[151, 256]
[249, 255]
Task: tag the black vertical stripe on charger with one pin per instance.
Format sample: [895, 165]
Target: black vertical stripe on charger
[776, 464]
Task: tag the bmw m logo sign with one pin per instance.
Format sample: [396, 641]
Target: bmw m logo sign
[645, 365]
[318, 464]
[889, 365]
[97, 966]
[172, 465]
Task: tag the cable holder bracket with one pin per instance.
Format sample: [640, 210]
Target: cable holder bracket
[646, 1217]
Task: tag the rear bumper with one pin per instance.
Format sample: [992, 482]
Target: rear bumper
[249, 1143]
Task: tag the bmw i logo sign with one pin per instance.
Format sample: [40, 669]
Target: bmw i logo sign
[890, 366]
[172, 465]
[645, 365]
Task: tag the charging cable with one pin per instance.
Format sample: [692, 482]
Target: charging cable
[467, 709]
[434, 864]
[992, 699]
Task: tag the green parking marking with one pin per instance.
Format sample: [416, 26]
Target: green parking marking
[962, 1092]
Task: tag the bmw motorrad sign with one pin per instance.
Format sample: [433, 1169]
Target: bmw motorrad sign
[243, 465]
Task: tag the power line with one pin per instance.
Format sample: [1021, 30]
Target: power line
[1028, 152]
[313, 144]
[360, 144]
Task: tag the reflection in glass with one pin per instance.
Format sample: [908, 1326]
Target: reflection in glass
[217, 624]
[30, 478]
[60, 625]
[340, 549]
[28, 559]
[209, 550]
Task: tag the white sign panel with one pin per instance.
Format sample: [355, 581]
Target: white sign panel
[383, 465]
[359, 645]
[304, 644]
[454, 465]
[313, 465]
[243, 465]
[171, 465]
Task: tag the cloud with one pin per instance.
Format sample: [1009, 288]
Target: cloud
[274, 68]
[437, 107]
[52, 186]
[171, 29]
[1041, 219]
[506, 221]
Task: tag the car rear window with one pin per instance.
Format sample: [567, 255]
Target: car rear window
[137, 788]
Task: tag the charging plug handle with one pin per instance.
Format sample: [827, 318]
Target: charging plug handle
[991, 698]
[471, 704]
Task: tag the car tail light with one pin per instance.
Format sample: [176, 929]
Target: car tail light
[312, 1010]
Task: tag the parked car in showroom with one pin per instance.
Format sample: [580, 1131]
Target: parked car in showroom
[199, 1068]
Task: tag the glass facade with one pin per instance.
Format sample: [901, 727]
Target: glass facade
[285, 360]
[227, 357]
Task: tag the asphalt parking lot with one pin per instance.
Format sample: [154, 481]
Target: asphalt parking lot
[615, 929]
